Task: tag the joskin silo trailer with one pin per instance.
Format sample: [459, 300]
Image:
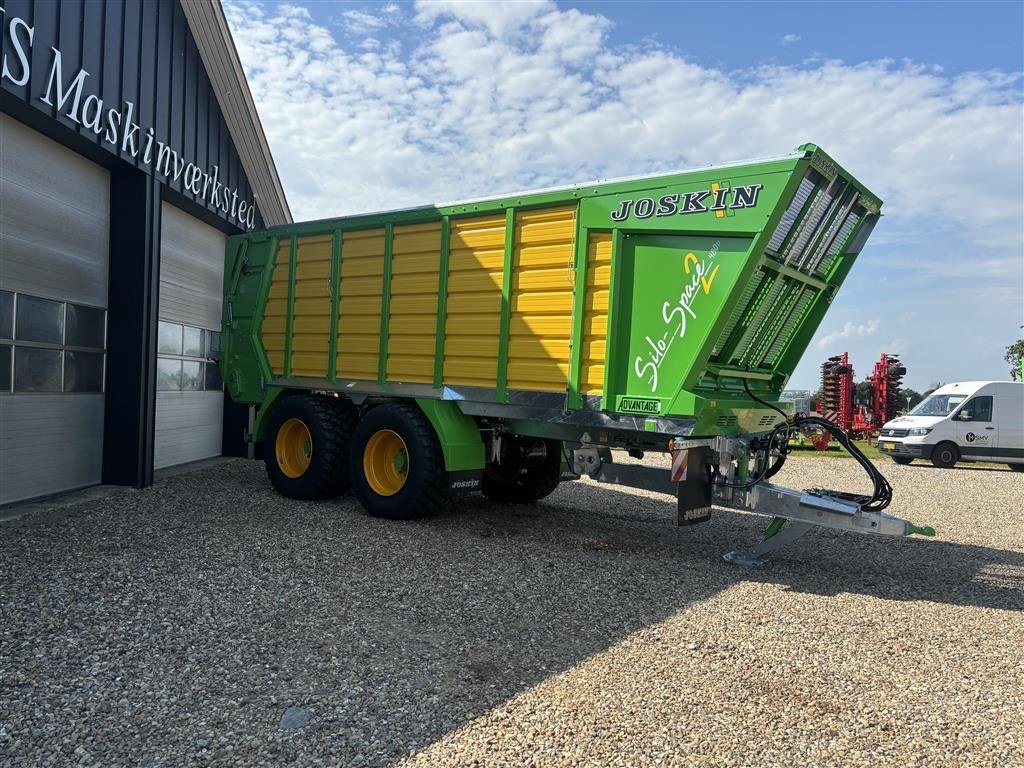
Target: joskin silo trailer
[501, 344]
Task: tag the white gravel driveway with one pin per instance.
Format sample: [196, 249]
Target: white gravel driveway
[176, 626]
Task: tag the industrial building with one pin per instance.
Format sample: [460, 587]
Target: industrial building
[130, 149]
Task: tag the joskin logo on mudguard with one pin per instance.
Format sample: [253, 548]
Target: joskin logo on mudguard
[639, 405]
[716, 198]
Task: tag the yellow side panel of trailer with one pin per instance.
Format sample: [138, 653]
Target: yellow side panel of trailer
[311, 326]
[595, 324]
[412, 320]
[359, 305]
[541, 295]
[276, 313]
[473, 319]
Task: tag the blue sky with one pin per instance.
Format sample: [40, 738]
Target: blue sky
[370, 106]
[958, 36]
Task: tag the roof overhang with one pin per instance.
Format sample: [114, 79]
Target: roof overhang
[220, 57]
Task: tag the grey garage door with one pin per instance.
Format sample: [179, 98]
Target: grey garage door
[189, 398]
[54, 239]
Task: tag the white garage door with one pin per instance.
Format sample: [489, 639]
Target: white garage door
[54, 241]
[189, 398]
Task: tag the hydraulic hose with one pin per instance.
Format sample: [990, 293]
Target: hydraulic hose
[881, 495]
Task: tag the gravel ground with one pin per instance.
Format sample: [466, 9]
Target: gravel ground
[209, 621]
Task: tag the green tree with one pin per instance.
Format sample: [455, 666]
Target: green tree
[915, 398]
[1014, 354]
[862, 393]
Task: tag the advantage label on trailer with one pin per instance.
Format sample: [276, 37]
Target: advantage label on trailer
[645, 405]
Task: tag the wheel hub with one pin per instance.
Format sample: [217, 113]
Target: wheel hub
[293, 448]
[386, 462]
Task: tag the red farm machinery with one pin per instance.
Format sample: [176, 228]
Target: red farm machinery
[884, 403]
[838, 401]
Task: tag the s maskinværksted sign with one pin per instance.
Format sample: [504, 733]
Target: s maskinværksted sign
[116, 124]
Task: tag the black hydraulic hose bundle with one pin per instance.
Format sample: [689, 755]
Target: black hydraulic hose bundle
[882, 492]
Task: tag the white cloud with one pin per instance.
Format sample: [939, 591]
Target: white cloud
[501, 19]
[479, 106]
[790, 39]
[358, 22]
[897, 346]
[849, 330]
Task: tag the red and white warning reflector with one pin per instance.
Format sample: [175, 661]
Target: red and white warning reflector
[680, 460]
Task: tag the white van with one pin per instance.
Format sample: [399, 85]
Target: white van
[968, 421]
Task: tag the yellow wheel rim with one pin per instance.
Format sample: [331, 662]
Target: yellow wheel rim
[294, 448]
[386, 462]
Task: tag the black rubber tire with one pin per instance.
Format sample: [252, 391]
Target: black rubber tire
[1016, 467]
[528, 484]
[945, 455]
[903, 460]
[330, 422]
[425, 491]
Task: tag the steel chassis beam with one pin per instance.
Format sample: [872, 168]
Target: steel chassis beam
[794, 512]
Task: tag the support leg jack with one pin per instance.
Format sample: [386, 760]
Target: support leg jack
[778, 533]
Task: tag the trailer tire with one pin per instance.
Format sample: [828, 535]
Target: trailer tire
[902, 460]
[525, 485]
[945, 455]
[1016, 467]
[307, 444]
[398, 469]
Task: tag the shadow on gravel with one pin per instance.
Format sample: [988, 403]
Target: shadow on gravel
[827, 562]
[175, 626]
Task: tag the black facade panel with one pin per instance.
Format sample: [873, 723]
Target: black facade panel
[236, 423]
[92, 49]
[143, 63]
[111, 51]
[177, 77]
[192, 103]
[129, 423]
[148, 23]
[204, 92]
[69, 42]
[222, 142]
[188, 113]
[164, 70]
[130, 36]
[45, 22]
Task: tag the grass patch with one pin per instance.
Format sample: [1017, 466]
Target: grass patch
[835, 451]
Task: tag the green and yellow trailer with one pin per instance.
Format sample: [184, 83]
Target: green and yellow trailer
[507, 344]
